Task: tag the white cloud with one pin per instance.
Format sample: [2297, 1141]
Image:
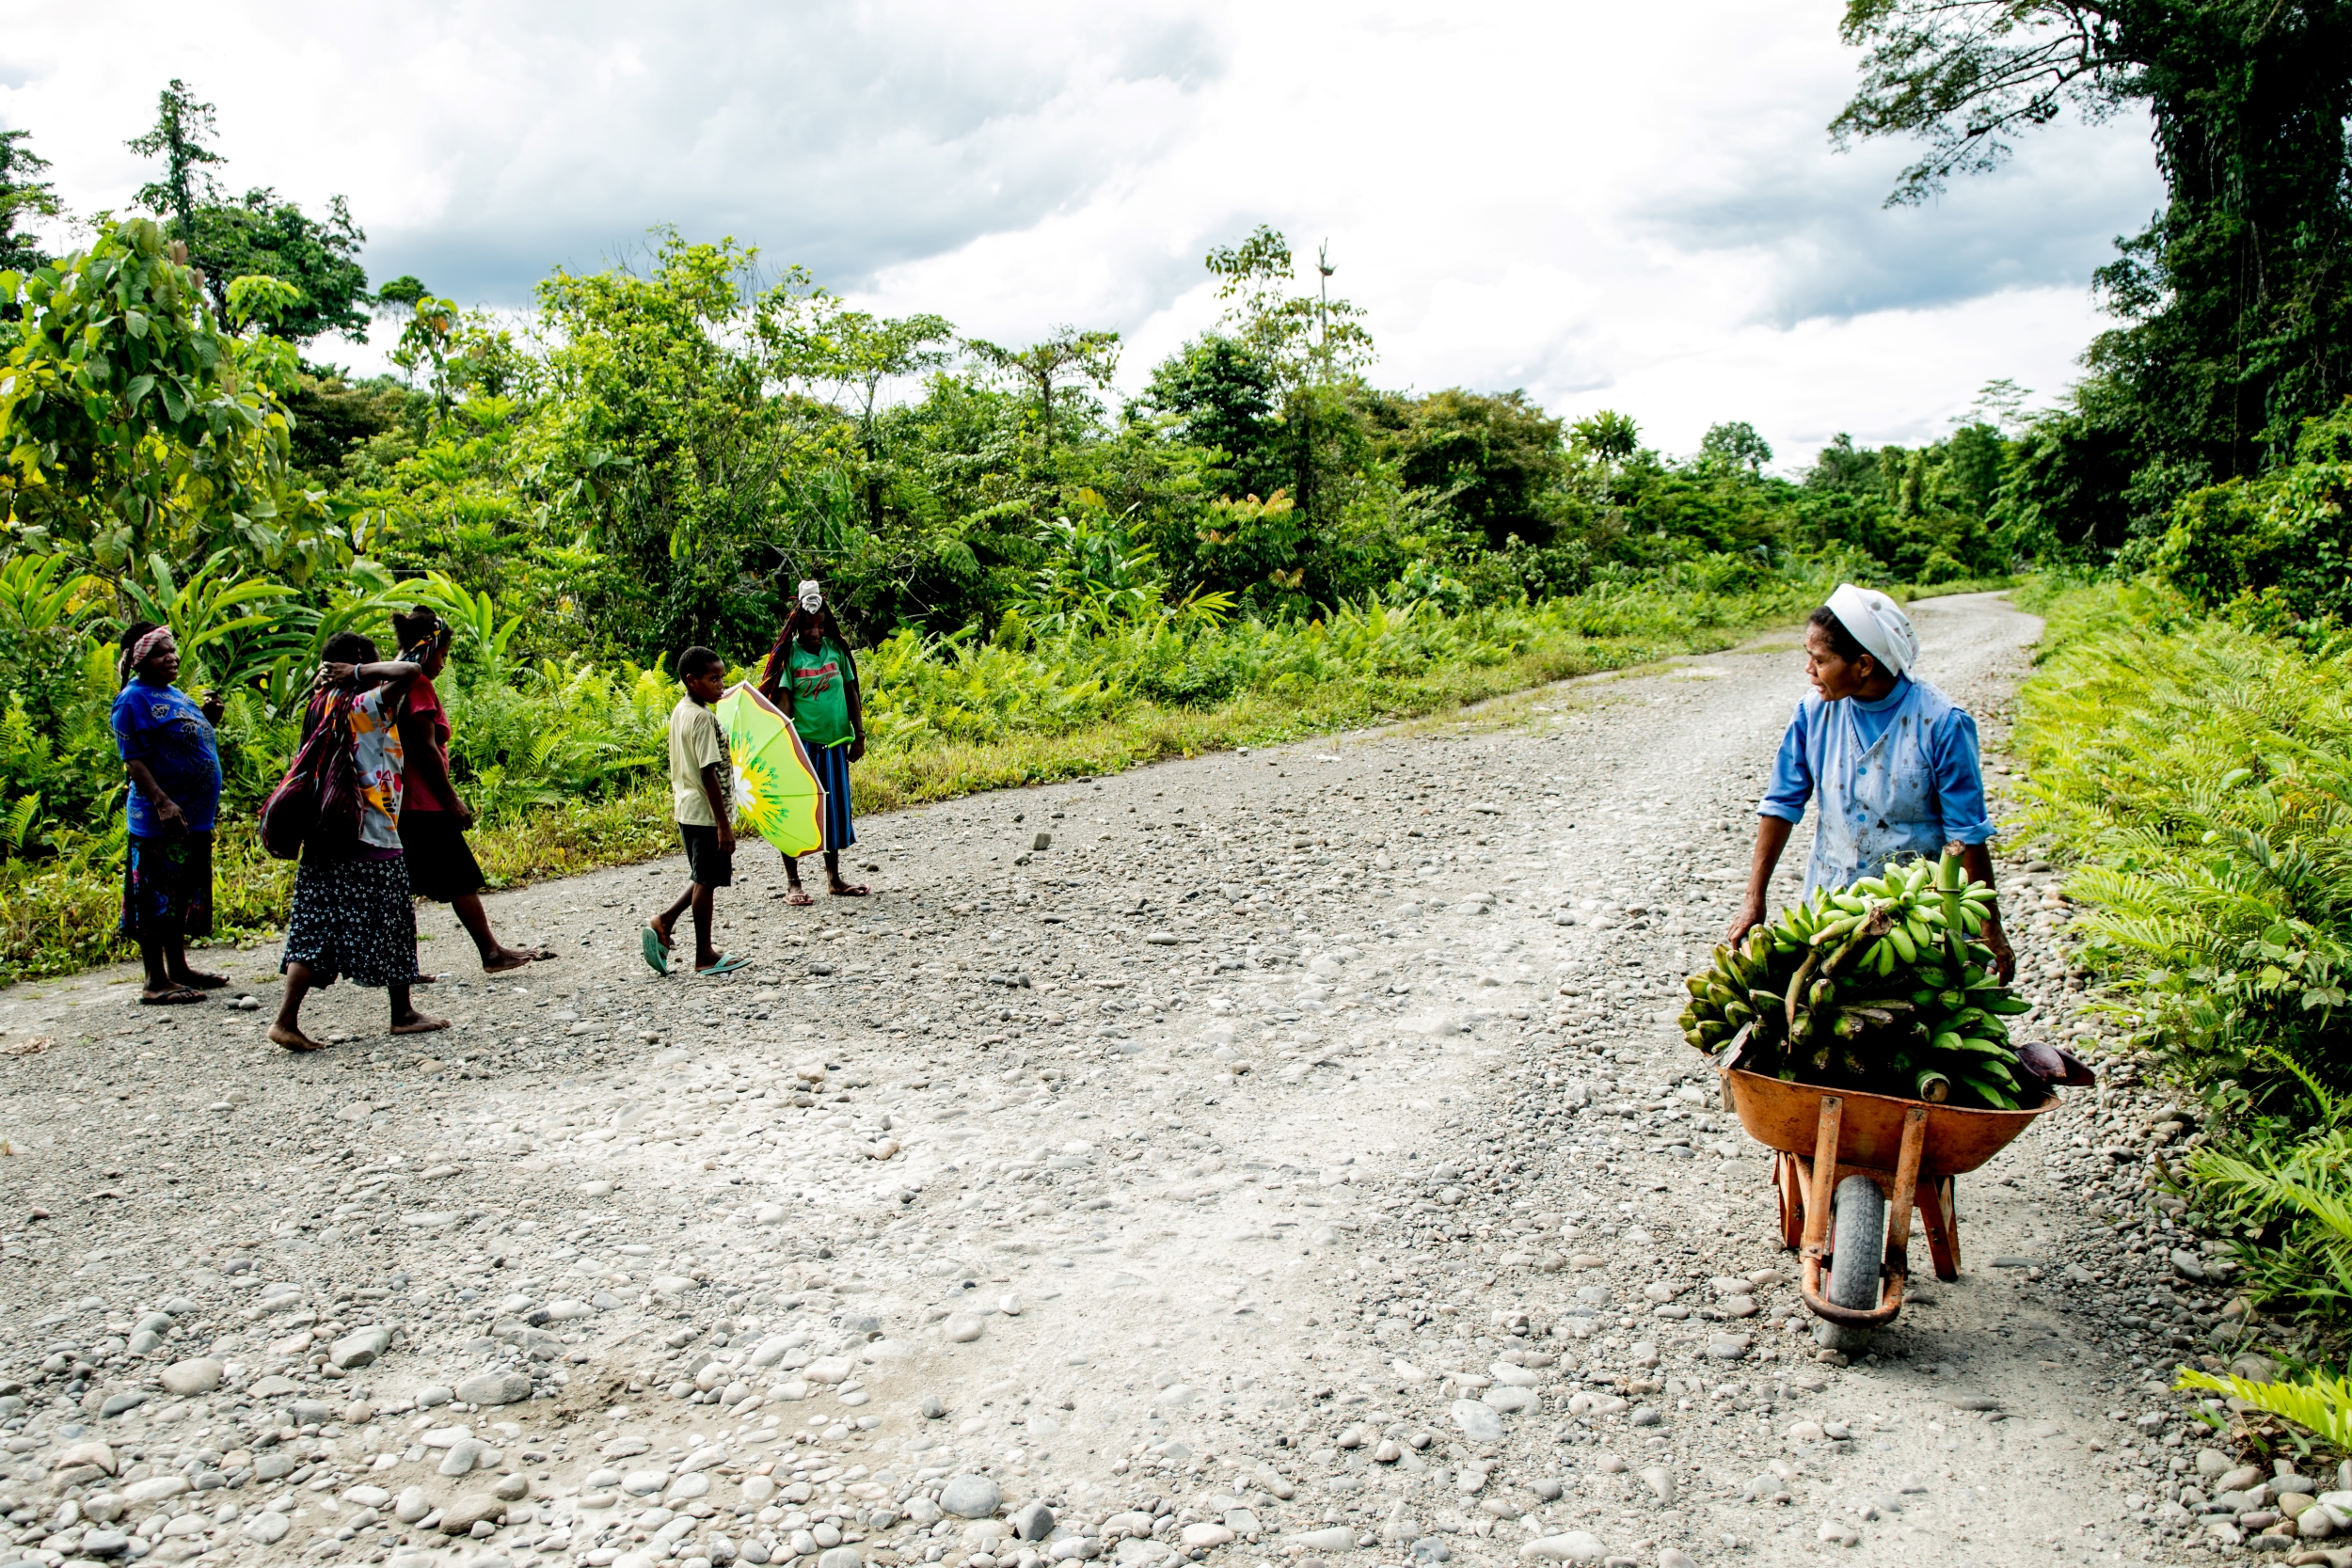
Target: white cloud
[1628, 206]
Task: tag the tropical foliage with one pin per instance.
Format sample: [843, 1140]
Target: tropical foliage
[2197, 769]
[2232, 317]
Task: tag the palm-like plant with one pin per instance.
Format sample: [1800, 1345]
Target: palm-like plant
[34, 600]
[208, 611]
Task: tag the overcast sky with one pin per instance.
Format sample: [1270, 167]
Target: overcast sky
[1624, 207]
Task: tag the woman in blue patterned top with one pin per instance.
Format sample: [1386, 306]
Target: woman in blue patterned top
[1891, 762]
[167, 747]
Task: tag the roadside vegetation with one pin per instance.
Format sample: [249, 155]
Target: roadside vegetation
[2189, 740]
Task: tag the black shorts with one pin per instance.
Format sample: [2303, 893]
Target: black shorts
[440, 864]
[706, 863]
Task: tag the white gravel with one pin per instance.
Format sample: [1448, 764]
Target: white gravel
[1295, 1160]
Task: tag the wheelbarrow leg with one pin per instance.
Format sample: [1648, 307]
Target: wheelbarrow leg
[1898, 1263]
[1788, 1181]
[1817, 1201]
[1940, 1216]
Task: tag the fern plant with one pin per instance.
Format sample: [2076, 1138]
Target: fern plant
[2319, 1404]
[2295, 1201]
[2199, 772]
[2202, 775]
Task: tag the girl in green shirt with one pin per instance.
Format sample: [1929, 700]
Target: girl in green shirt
[812, 675]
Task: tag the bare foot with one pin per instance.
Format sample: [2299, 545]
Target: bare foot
[419, 1024]
[200, 979]
[660, 928]
[178, 996]
[508, 960]
[293, 1039]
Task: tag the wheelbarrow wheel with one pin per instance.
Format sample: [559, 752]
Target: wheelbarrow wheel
[1858, 1234]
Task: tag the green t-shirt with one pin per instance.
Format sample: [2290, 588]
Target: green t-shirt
[821, 694]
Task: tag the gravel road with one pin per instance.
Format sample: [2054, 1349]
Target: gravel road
[1275, 1157]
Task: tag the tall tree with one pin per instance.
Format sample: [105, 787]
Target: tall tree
[1607, 435]
[260, 235]
[1050, 365]
[1735, 445]
[858, 353]
[1310, 340]
[22, 192]
[1491, 459]
[182, 126]
[654, 382]
[1224, 397]
[2238, 294]
[255, 235]
[137, 429]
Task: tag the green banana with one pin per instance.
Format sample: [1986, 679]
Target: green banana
[1974, 1045]
[1877, 985]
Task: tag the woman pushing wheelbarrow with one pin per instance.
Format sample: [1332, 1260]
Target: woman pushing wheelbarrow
[1861, 1034]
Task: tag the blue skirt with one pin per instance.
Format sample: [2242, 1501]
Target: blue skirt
[830, 765]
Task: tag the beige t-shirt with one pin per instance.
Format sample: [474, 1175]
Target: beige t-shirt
[696, 741]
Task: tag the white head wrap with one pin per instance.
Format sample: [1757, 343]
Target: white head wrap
[1878, 625]
[812, 598]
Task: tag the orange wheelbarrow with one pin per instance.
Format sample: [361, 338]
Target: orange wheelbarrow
[1850, 1167]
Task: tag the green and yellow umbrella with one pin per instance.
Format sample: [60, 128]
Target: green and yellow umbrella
[776, 792]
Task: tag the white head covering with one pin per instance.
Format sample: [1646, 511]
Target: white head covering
[1878, 625]
[812, 598]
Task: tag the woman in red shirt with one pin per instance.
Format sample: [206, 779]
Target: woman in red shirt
[433, 819]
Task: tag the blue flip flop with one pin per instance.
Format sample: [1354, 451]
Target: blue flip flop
[656, 954]
[729, 963]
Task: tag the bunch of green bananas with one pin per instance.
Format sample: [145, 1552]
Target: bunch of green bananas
[1877, 987]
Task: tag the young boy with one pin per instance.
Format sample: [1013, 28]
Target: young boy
[701, 780]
